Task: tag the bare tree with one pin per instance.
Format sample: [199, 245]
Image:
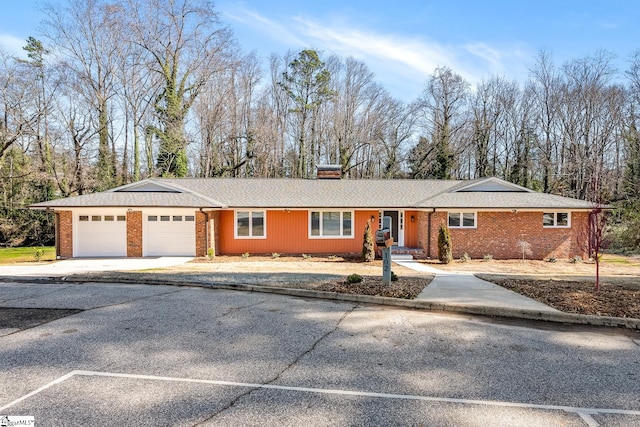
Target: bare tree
[443, 105]
[185, 46]
[593, 237]
[86, 37]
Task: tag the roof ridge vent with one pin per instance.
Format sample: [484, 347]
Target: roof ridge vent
[329, 172]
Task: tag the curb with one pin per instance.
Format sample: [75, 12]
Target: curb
[565, 318]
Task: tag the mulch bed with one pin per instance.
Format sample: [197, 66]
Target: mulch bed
[576, 297]
[404, 287]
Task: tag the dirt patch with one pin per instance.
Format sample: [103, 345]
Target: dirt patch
[572, 296]
[24, 318]
[404, 287]
[314, 273]
[611, 265]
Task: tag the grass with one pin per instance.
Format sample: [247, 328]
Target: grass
[620, 260]
[26, 254]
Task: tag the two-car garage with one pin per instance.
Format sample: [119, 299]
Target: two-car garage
[164, 232]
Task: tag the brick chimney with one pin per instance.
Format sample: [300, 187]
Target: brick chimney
[329, 172]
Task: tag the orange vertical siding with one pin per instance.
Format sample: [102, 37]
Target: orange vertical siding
[288, 233]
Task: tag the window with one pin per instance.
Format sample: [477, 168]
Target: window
[189, 218]
[165, 217]
[108, 218]
[462, 220]
[177, 217]
[152, 218]
[84, 218]
[556, 219]
[331, 224]
[121, 218]
[96, 218]
[250, 224]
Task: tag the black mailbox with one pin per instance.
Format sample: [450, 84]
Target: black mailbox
[383, 236]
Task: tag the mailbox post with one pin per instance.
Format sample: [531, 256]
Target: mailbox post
[385, 241]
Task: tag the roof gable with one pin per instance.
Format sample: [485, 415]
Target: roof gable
[492, 185]
[147, 186]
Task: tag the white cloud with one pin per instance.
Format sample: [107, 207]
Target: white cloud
[12, 44]
[402, 62]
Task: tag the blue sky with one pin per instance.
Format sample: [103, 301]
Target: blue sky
[403, 41]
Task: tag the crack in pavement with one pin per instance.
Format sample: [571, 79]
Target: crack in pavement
[233, 402]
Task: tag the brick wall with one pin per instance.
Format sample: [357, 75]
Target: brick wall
[134, 234]
[498, 233]
[201, 233]
[64, 234]
[214, 227]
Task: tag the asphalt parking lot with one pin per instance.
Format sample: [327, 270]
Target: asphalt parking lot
[162, 355]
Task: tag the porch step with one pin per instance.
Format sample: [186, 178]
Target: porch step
[403, 253]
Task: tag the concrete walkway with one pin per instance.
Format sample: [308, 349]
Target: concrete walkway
[90, 265]
[466, 289]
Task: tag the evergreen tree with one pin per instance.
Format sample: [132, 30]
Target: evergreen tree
[307, 84]
[632, 167]
[444, 245]
[368, 251]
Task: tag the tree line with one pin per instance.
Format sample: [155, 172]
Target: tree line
[114, 91]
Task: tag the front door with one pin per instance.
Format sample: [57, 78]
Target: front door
[395, 225]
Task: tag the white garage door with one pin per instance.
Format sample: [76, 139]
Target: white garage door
[101, 236]
[169, 235]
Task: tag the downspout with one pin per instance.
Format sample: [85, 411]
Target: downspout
[429, 232]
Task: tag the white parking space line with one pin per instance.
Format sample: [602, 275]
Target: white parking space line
[43, 388]
[584, 413]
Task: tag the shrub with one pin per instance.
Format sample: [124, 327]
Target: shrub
[38, 253]
[245, 255]
[465, 257]
[211, 253]
[354, 278]
[552, 259]
[488, 257]
[444, 245]
[394, 277]
[275, 255]
[368, 248]
[576, 259]
[306, 256]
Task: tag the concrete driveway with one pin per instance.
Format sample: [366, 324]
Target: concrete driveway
[161, 355]
[90, 265]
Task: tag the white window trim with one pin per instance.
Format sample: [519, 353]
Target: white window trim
[475, 219]
[250, 236]
[341, 236]
[555, 219]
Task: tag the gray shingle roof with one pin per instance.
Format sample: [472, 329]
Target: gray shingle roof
[302, 193]
[314, 193]
[132, 199]
[503, 200]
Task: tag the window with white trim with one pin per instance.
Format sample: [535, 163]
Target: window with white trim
[330, 224]
[556, 220]
[251, 224]
[462, 220]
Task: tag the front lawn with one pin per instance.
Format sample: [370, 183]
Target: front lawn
[26, 254]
